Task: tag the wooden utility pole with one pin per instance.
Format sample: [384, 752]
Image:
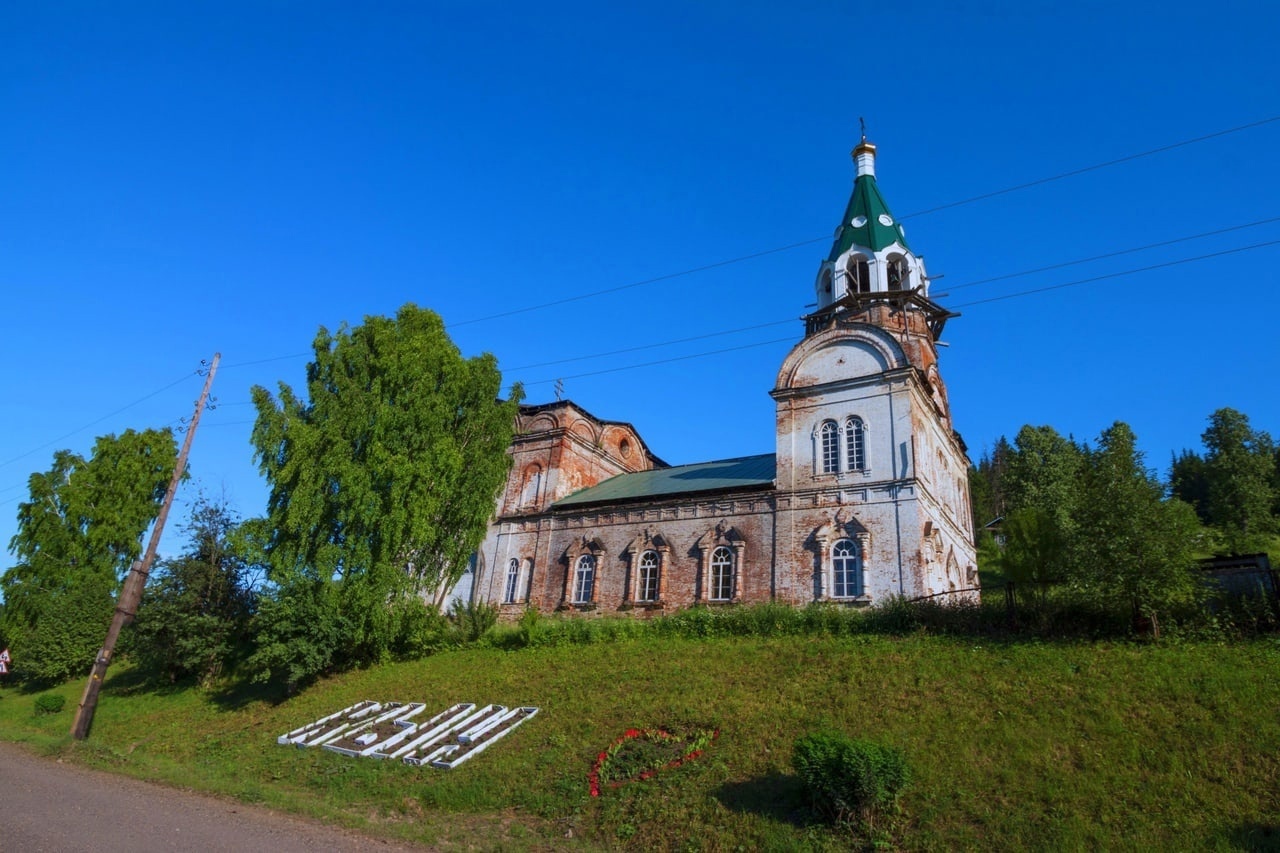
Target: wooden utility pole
[131, 593]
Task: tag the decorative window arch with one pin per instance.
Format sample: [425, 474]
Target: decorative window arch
[512, 587]
[846, 569]
[898, 273]
[843, 544]
[858, 272]
[829, 435]
[584, 579]
[722, 551]
[721, 574]
[649, 554]
[840, 447]
[855, 444]
[647, 583]
[583, 562]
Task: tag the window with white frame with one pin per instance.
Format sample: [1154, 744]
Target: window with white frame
[584, 579]
[830, 437]
[513, 582]
[647, 590]
[846, 569]
[721, 574]
[855, 444]
[841, 448]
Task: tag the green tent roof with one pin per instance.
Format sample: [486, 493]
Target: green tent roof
[866, 205]
[740, 473]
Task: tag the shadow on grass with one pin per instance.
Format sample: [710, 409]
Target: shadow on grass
[241, 692]
[1253, 836]
[776, 796]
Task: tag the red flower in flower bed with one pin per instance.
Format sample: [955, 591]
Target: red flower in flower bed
[643, 753]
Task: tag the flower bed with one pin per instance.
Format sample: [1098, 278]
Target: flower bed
[364, 739]
[388, 730]
[478, 738]
[643, 753]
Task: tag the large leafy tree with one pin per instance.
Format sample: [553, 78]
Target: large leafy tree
[1131, 544]
[1042, 486]
[77, 536]
[382, 481]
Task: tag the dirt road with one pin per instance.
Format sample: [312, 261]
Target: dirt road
[63, 808]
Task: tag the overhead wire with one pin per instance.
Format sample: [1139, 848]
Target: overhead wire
[96, 421]
[1073, 172]
[788, 247]
[948, 206]
[1117, 274]
[766, 252]
[662, 361]
[1003, 297]
[1115, 254]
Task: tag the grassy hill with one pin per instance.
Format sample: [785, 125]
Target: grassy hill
[1015, 745]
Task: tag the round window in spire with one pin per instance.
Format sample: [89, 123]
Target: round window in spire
[858, 221]
[886, 219]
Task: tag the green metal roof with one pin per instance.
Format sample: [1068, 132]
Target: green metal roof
[866, 202]
[743, 472]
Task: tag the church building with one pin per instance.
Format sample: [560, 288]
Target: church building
[864, 498]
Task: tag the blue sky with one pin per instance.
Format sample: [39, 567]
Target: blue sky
[180, 179]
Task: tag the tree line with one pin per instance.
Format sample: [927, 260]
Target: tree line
[383, 473]
[1053, 511]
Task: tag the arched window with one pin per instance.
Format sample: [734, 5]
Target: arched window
[721, 574]
[826, 282]
[513, 582]
[846, 570]
[855, 443]
[648, 587]
[830, 437]
[898, 273]
[584, 579]
[859, 274]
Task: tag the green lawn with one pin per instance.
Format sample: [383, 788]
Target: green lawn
[1014, 745]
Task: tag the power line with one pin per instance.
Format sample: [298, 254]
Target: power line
[566, 300]
[266, 360]
[1117, 274]
[740, 259]
[726, 332]
[652, 346]
[1095, 167]
[663, 361]
[1115, 254]
[788, 247]
[963, 305]
[99, 420]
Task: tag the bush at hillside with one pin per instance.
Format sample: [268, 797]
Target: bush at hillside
[850, 780]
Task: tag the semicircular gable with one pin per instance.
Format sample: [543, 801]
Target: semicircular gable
[584, 430]
[623, 442]
[541, 422]
[840, 354]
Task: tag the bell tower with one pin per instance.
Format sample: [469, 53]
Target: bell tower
[868, 463]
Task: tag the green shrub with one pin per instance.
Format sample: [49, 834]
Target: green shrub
[49, 703]
[850, 780]
[472, 619]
